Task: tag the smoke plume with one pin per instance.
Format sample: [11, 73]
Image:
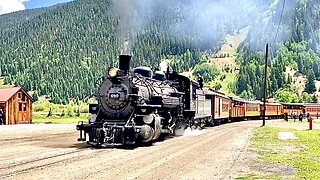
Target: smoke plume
[201, 21]
[132, 18]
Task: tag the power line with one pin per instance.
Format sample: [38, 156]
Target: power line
[266, 66]
[281, 15]
[278, 28]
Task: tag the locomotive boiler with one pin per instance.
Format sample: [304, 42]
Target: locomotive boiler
[134, 106]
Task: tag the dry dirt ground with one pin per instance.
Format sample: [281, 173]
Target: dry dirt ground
[51, 152]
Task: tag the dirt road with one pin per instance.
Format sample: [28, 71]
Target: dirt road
[51, 152]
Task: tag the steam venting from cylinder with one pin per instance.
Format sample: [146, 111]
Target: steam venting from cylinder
[124, 63]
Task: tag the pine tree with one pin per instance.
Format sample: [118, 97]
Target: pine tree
[310, 85]
[35, 96]
[49, 113]
[289, 80]
[314, 98]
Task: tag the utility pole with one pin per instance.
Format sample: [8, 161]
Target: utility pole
[265, 86]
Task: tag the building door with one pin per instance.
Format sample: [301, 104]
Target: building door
[22, 111]
[3, 107]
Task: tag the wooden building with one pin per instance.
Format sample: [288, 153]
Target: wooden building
[16, 105]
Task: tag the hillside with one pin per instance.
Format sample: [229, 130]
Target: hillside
[61, 51]
[225, 60]
[292, 30]
[226, 56]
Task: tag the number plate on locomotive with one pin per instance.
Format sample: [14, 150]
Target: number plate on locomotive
[115, 96]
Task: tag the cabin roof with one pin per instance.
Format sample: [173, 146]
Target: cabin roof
[245, 100]
[293, 104]
[273, 103]
[311, 104]
[7, 93]
[211, 92]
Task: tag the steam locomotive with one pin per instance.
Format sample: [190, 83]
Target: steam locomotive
[140, 105]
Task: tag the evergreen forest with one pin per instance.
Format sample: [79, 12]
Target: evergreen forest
[294, 43]
[61, 51]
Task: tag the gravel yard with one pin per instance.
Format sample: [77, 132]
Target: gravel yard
[51, 151]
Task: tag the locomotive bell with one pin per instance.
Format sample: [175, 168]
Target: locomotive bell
[124, 63]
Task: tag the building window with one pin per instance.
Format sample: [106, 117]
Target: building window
[19, 95]
[22, 107]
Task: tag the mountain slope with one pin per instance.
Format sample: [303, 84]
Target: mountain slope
[294, 43]
[61, 51]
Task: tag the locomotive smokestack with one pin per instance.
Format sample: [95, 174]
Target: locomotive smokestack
[124, 63]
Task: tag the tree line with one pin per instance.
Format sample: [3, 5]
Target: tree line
[61, 51]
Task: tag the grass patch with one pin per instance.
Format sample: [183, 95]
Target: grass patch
[42, 119]
[256, 176]
[230, 78]
[44, 106]
[302, 154]
[43, 111]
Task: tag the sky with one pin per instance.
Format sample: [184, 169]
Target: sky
[8, 6]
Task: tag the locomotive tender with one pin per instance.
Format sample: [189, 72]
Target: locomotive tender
[140, 105]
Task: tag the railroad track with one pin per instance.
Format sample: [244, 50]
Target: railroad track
[74, 155]
[36, 164]
[158, 160]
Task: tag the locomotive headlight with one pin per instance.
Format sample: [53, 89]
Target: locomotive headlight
[113, 72]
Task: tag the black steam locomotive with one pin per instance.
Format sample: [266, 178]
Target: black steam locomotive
[139, 105]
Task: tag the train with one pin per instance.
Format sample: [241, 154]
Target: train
[140, 105]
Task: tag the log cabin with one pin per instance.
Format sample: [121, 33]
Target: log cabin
[16, 105]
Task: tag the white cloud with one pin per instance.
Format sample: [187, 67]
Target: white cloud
[8, 6]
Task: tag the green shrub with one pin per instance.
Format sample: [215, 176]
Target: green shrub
[207, 71]
[77, 112]
[38, 107]
[222, 77]
[70, 111]
[84, 108]
[217, 86]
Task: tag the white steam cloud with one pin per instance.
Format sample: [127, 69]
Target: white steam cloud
[164, 65]
[203, 23]
[8, 6]
[132, 18]
[202, 20]
[194, 132]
